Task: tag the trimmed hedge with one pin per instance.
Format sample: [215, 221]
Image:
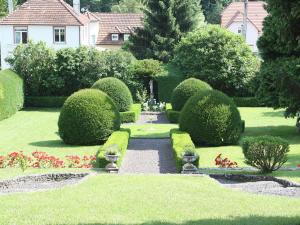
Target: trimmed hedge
[173, 116]
[266, 153]
[45, 102]
[11, 93]
[120, 138]
[131, 116]
[88, 117]
[185, 90]
[179, 140]
[246, 102]
[211, 118]
[117, 90]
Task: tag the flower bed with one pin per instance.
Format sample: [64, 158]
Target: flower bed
[43, 160]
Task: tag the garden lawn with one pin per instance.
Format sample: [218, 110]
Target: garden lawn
[36, 130]
[147, 200]
[259, 121]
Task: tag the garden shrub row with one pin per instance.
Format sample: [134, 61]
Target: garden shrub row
[179, 140]
[11, 93]
[120, 138]
[173, 116]
[132, 115]
[246, 102]
[45, 101]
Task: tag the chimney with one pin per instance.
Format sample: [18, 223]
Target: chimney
[10, 6]
[76, 6]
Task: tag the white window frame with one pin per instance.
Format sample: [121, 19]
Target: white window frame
[19, 31]
[60, 31]
[115, 37]
[126, 37]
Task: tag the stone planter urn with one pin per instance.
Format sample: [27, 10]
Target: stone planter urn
[189, 167]
[112, 166]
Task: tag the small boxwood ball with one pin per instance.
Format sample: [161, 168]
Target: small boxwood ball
[117, 90]
[211, 118]
[185, 90]
[88, 117]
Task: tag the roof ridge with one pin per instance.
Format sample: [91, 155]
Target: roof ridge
[74, 14]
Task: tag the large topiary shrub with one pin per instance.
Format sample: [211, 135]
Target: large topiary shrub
[185, 90]
[266, 153]
[11, 93]
[88, 117]
[117, 90]
[218, 57]
[211, 118]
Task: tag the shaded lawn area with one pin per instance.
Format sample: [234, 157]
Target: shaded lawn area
[36, 130]
[259, 121]
[147, 200]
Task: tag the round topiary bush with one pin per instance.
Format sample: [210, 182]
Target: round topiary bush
[211, 118]
[117, 90]
[185, 90]
[88, 117]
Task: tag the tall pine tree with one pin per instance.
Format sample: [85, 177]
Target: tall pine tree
[165, 21]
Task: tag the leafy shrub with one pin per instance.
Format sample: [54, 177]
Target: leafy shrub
[218, 57]
[179, 140]
[185, 90]
[88, 117]
[133, 115]
[35, 63]
[117, 90]
[11, 93]
[266, 153]
[211, 118]
[246, 102]
[120, 138]
[45, 101]
[173, 116]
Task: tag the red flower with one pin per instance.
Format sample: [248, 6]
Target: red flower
[298, 165]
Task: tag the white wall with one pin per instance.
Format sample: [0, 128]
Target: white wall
[36, 33]
[94, 31]
[252, 33]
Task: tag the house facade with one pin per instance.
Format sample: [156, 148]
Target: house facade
[60, 26]
[232, 19]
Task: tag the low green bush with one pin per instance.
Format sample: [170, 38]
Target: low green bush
[179, 140]
[11, 93]
[45, 101]
[120, 138]
[246, 102]
[185, 90]
[88, 117]
[133, 115]
[173, 116]
[266, 153]
[117, 90]
[211, 118]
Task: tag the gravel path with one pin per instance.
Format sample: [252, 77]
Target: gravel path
[262, 187]
[149, 156]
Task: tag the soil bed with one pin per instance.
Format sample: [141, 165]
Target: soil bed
[40, 182]
[266, 185]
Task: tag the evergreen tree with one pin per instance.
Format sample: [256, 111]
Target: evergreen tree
[165, 21]
[128, 6]
[280, 48]
[212, 9]
[3, 8]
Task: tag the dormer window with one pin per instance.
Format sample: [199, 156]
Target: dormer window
[115, 37]
[126, 37]
[59, 35]
[21, 35]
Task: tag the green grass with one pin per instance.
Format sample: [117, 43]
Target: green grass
[259, 121]
[36, 130]
[147, 200]
[151, 130]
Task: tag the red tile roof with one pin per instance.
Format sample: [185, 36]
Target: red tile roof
[234, 13]
[45, 12]
[116, 23]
